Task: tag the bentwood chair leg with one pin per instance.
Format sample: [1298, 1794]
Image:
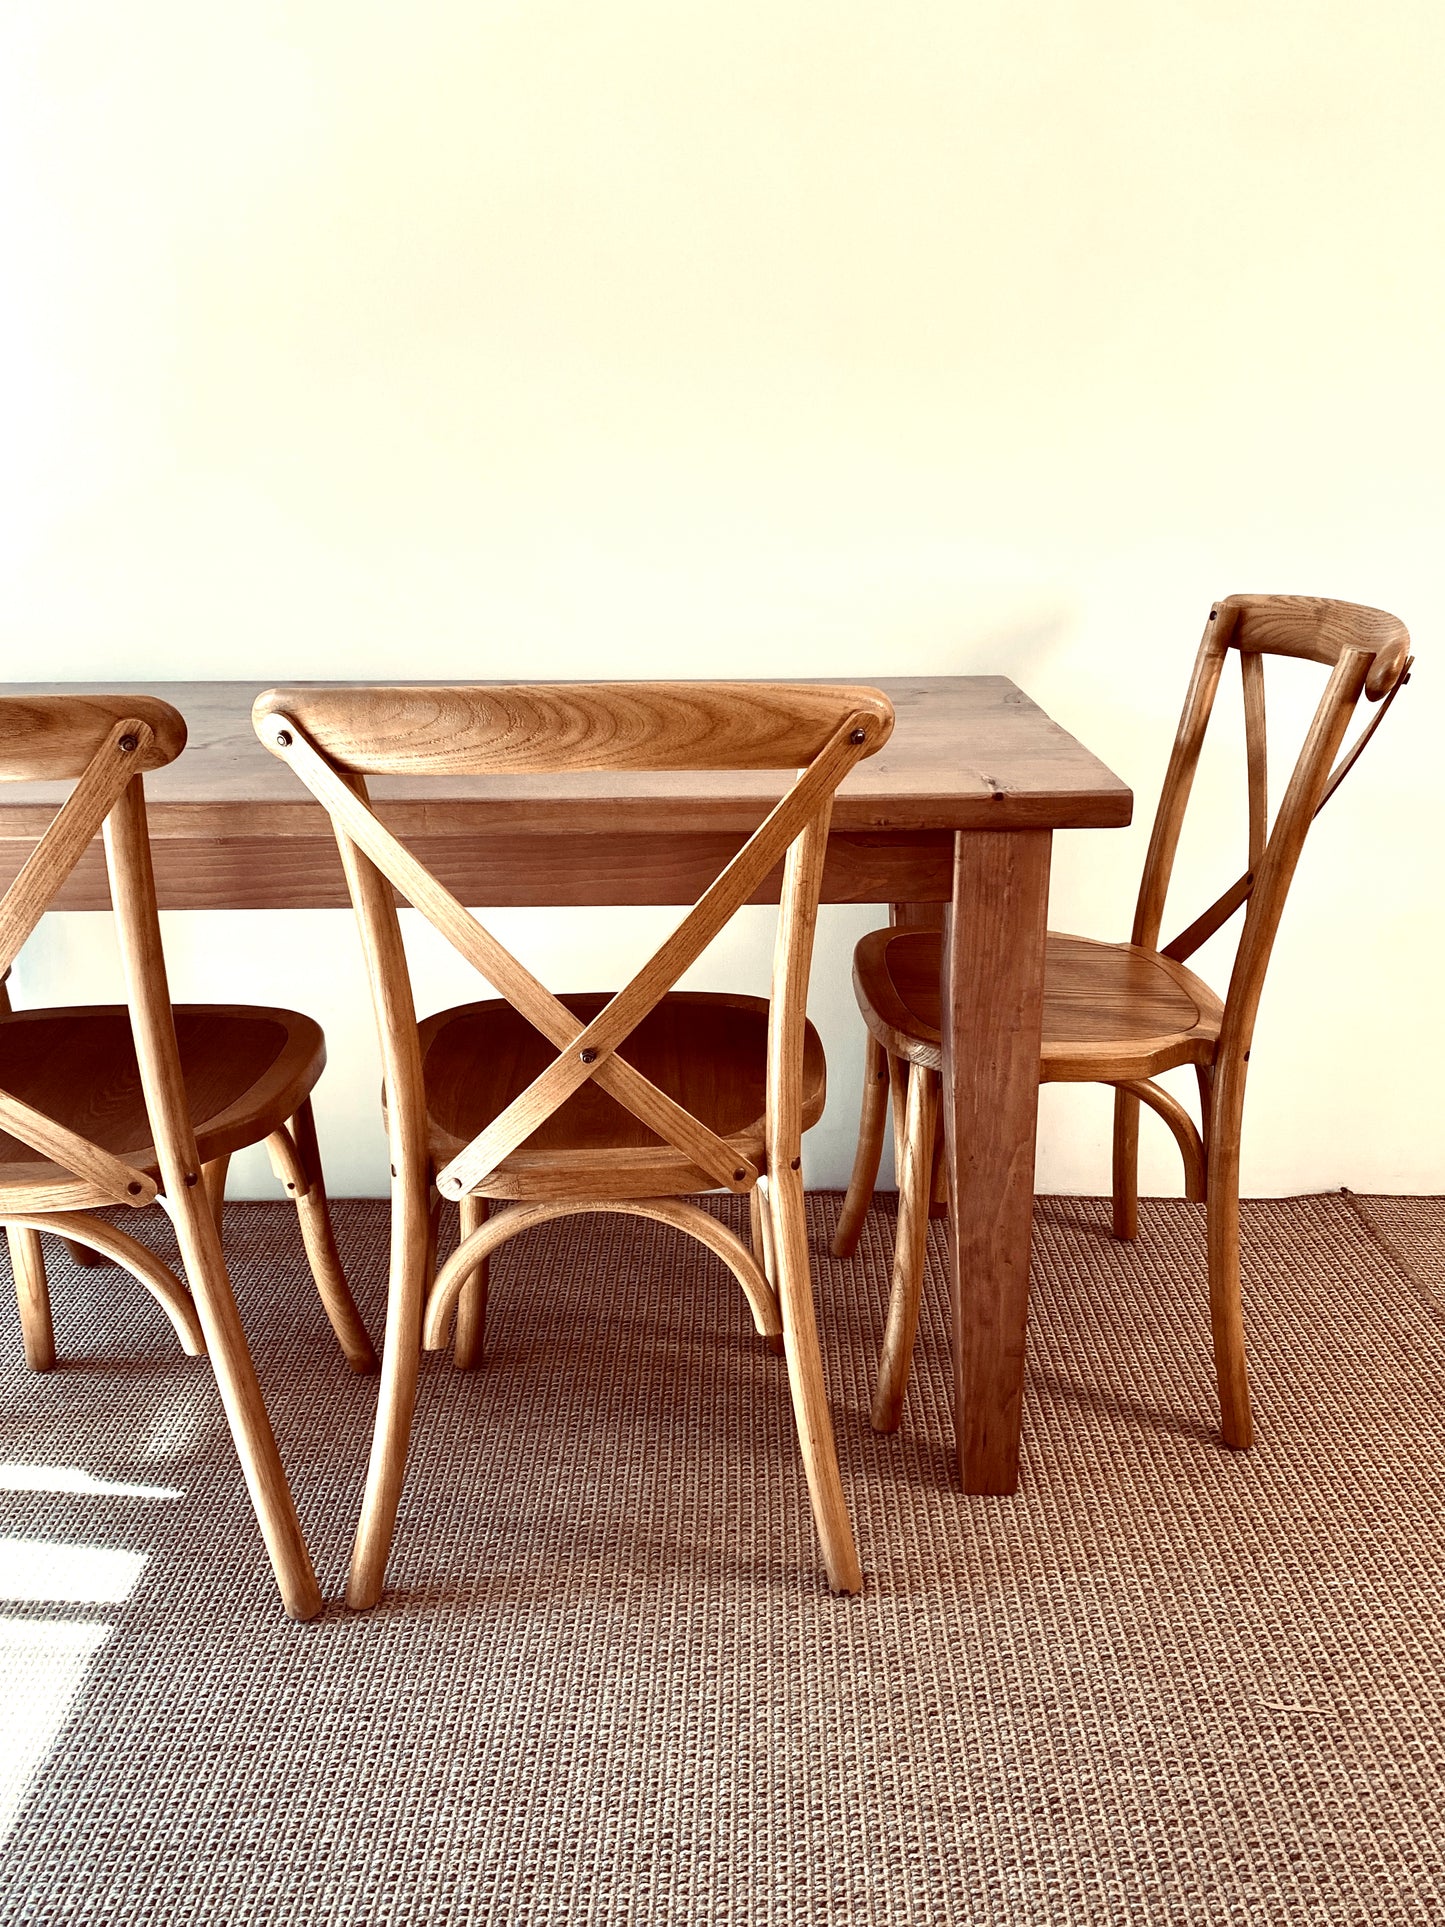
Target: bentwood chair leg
[898, 1074]
[1226, 1310]
[1126, 1165]
[213, 1177]
[914, 1189]
[314, 1215]
[805, 1379]
[758, 1225]
[760, 1212]
[401, 1356]
[871, 1125]
[255, 1442]
[32, 1296]
[469, 1340]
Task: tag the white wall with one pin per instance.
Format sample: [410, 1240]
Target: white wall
[452, 339]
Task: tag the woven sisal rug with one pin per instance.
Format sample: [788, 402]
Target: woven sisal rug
[1163, 1684]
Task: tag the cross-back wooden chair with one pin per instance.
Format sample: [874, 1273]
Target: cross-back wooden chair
[141, 1104]
[1121, 1014]
[593, 1102]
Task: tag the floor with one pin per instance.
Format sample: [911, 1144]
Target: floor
[1165, 1683]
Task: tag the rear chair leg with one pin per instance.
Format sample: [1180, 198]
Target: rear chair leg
[914, 1187]
[1126, 1165]
[871, 1124]
[32, 1296]
[469, 1340]
[213, 1177]
[84, 1256]
[300, 1172]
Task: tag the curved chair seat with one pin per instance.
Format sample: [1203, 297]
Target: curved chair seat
[1112, 1011]
[706, 1050]
[247, 1070]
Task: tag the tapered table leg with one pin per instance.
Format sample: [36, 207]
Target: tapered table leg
[991, 1019]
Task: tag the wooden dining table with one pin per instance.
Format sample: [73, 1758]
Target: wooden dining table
[957, 811]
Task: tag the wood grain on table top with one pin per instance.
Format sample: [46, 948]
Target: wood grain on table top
[968, 752]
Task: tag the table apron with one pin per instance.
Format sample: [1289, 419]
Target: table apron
[530, 869]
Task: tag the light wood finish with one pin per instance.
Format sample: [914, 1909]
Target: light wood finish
[32, 1296]
[914, 1174]
[526, 1097]
[967, 754]
[469, 1340]
[872, 1122]
[320, 1240]
[213, 1177]
[153, 1027]
[411, 1219]
[106, 1105]
[113, 1246]
[69, 741]
[1121, 1014]
[494, 1229]
[355, 820]
[536, 729]
[785, 1120]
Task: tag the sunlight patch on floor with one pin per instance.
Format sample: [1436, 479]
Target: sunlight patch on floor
[40, 1570]
[42, 1669]
[74, 1478]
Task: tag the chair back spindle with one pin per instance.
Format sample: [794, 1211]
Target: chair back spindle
[1367, 653]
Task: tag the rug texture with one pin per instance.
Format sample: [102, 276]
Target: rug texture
[607, 1684]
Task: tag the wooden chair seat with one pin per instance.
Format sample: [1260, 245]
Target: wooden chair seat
[1111, 1010]
[247, 1070]
[706, 1050]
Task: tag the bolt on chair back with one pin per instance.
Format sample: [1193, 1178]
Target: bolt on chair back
[1121, 1014]
[139, 1104]
[592, 1101]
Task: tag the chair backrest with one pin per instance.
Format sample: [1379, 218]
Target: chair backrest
[103, 744]
[334, 739]
[1367, 653]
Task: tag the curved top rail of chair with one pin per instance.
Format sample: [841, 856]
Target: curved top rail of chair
[534, 728]
[1317, 629]
[48, 739]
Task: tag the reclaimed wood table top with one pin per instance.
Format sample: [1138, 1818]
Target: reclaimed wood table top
[967, 753]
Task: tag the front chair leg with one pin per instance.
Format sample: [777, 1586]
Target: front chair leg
[255, 1442]
[469, 1340]
[1126, 1165]
[1226, 1309]
[910, 1246]
[32, 1297]
[805, 1380]
[872, 1123]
